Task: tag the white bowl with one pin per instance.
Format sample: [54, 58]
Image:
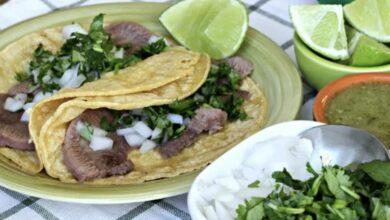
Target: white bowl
[234, 157]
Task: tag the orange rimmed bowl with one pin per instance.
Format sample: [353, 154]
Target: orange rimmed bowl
[328, 92]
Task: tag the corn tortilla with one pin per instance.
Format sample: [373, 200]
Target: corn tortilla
[150, 166]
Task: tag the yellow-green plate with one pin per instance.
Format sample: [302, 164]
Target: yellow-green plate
[274, 73]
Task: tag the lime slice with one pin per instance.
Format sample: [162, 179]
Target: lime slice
[216, 27]
[321, 27]
[372, 17]
[369, 52]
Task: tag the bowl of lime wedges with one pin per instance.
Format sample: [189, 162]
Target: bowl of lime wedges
[332, 41]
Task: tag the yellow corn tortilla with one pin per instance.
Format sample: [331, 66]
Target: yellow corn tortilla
[154, 72]
[148, 74]
[14, 58]
[150, 166]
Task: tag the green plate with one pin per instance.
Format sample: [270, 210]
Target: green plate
[274, 73]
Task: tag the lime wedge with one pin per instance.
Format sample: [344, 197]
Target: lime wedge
[216, 27]
[372, 17]
[321, 27]
[369, 52]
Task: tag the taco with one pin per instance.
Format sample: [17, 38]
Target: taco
[159, 133]
[52, 63]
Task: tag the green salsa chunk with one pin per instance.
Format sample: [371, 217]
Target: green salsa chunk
[365, 106]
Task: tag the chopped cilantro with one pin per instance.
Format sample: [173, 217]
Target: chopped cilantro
[22, 77]
[335, 193]
[152, 48]
[93, 53]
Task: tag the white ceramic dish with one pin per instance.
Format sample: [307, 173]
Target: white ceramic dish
[235, 156]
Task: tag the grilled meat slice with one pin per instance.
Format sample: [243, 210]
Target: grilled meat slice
[209, 120]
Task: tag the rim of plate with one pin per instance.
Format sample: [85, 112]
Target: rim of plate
[173, 186]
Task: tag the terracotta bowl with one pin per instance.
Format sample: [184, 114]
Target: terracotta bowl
[329, 91]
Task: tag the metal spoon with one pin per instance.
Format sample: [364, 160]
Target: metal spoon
[345, 145]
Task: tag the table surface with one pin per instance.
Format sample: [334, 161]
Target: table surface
[268, 16]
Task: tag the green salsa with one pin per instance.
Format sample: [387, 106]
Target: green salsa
[365, 106]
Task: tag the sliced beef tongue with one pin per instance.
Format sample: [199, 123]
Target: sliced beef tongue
[86, 164]
[13, 132]
[241, 65]
[209, 120]
[129, 33]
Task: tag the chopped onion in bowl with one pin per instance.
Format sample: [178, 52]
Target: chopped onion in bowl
[143, 129]
[125, 131]
[100, 143]
[210, 213]
[72, 28]
[156, 133]
[134, 140]
[222, 194]
[175, 118]
[147, 145]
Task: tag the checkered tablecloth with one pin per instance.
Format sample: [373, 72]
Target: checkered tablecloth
[268, 16]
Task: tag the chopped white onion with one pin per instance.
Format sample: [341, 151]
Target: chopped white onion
[210, 213]
[156, 133]
[72, 28]
[134, 140]
[99, 132]
[175, 118]
[40, 96]
[28, 105]
[148, 145]
[69, 77]
[143, 129]
[125, 131]
[77, 83]
[222, 212]
[25, 117]
[229, 183]
[13, 105]
[119, 53]
[35, 73]
[100, 143]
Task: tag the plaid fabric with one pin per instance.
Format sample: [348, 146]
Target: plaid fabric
[268, 16]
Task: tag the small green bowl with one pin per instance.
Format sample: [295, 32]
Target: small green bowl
[319, 71]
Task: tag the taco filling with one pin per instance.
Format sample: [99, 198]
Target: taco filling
[84, 57]
[98, 141]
